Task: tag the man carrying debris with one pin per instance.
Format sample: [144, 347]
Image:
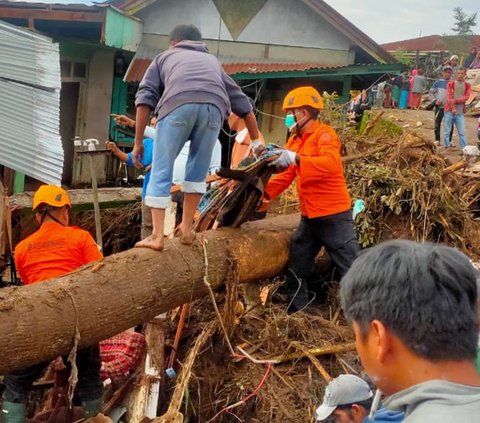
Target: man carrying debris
[191, 95]
[349, 399]
[54, 250]
[412, 307]
[312, 154]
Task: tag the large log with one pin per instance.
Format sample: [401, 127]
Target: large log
[39, 322]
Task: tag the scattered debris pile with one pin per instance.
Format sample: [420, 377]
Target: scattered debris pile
[409, 190]
[279, 372]
[120, 226]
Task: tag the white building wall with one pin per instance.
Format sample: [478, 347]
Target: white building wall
[279, 22]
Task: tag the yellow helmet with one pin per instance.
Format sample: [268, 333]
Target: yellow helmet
[51, 195]
[303, 96]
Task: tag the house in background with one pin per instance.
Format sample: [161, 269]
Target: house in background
[267, 46]
[431, 51]
[96, 43]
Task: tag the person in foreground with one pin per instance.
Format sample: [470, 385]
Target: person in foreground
[191, 95]
[412, 307]
[348, 399]
[52, 251]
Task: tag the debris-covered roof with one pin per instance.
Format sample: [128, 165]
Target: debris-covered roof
[427, 43]
[29, 111]
[239, 65]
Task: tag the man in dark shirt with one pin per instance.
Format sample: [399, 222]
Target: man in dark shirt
[191, 95]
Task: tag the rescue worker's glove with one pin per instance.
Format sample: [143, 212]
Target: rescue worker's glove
[257, 147]
[285, 159]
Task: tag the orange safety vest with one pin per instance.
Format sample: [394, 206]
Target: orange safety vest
[321, 184]
[53, 251]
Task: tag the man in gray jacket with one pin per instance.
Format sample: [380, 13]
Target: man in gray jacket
[438, 96]
[412, 307]
[191, 95]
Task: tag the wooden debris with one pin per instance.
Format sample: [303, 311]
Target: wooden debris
[372, 152]
[462, 164]
[314, 361]
[143, 400]
[173, 414]
[372, 122]
[331, 349]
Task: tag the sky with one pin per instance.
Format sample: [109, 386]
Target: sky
[387, 21]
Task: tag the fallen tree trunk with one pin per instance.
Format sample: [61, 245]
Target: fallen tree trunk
[39, 322]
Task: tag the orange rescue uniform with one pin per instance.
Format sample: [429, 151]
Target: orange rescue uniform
[321, 184]
[53, 251]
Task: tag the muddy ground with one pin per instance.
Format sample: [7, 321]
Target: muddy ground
[426, 118]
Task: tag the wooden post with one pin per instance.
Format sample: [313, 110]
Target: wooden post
[96, 204]
[143, 401]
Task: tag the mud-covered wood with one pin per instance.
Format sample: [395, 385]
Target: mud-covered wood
[37, 322]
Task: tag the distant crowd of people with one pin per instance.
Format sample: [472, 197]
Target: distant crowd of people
[400, 91]
[473, 59]
[447, 96]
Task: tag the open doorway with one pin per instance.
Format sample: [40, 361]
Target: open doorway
[68, 122]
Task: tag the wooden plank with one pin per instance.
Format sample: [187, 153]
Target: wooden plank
[471, 172]
[96, 204]
[83, 197]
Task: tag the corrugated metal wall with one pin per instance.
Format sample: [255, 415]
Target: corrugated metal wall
[30, 104]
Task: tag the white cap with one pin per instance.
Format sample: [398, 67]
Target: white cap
[345, 389]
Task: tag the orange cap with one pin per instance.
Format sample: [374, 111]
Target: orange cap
[303, 96]
[51, 195]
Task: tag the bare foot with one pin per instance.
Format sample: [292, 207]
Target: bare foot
[153, 242]
[185, 238]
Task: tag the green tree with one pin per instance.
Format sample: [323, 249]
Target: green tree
[463, 22]
[402, 56]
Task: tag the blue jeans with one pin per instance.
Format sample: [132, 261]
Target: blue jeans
[199, 123]
[459, 121]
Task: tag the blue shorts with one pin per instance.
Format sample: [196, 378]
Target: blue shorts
[199, 123]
